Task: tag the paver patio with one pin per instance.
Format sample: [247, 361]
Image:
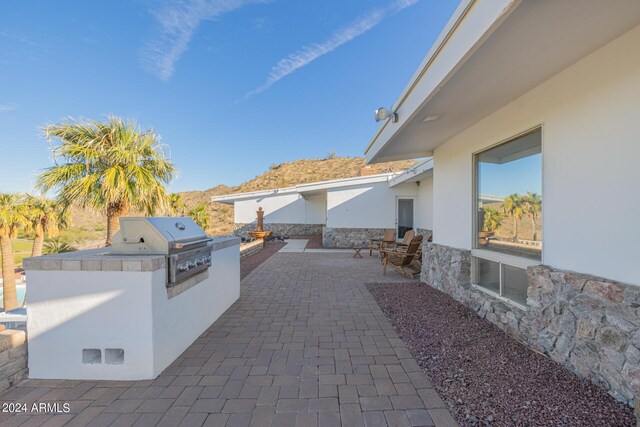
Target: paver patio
[305, 345]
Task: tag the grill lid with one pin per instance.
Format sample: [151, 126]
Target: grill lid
[156, 235]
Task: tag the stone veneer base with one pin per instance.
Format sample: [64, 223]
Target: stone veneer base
[588, 324]
[13, 357]
[425, 232]
[278, 229]
[348, 237]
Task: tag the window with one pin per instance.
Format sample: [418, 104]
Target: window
[508, 223]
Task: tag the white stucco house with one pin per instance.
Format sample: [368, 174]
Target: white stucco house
[535, 97]
[345, 211]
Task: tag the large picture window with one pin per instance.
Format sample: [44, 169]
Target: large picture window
[508, 223]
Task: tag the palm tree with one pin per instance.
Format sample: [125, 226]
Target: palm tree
[11, 218]
[201, 216]
[46, 218]
[111, 166]
[176, 204]
[532, 207]
[513, 207]
[492, 219]
[57, 246]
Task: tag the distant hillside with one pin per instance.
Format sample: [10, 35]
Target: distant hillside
[88, 226]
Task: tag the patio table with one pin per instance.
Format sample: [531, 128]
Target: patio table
[357, 250]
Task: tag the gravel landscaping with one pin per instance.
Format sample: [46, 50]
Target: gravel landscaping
[248, 264]
[314, 241]
[485, 377]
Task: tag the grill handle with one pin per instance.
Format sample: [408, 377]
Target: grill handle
[189, 244]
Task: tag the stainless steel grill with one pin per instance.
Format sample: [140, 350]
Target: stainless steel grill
[186, 246]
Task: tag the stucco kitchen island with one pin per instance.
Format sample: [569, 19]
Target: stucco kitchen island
[95, 315]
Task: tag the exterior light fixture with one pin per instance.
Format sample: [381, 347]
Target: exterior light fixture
[431, 118]
[383, 114]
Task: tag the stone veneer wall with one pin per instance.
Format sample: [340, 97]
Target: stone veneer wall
[13, 357]
[251, 248]
[425, 232]
[347, 237]
[588, 324]
[281, 229]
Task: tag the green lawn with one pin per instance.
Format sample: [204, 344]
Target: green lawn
[22, 246]
[21, 250]
[78, 236]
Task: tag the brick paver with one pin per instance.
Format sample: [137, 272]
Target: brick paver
[305, 345]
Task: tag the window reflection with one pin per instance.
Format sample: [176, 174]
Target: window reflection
[509, 197]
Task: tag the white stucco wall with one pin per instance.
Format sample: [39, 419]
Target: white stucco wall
[366, 206]
[591, 176]
[72, 310]
[316, 209]
[194, 310]
[424, 215]
[289, 208]
[279, 208]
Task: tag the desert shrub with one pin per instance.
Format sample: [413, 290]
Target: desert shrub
[57, 246]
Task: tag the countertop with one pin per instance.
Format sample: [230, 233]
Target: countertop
[101, 259]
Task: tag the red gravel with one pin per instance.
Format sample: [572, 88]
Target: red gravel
[248, 264]
[486, 377]
[315, 241]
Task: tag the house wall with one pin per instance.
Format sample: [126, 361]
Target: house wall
[316, 209]
[588, 114]
[366, 206]
[344, 215]
[424, 217]
[359, 213]
[278, 208]
[285, 214]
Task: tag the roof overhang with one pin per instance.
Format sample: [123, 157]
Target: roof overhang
[489, 54]
[230, 199]
[306, 190]
[414, 174]
[316, 188]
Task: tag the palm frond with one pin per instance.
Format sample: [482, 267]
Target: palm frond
[105, 163]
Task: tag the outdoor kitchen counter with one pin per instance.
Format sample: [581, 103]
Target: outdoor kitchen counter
[101, 259]
[92, 315]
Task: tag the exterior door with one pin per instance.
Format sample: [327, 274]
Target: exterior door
[404, 215]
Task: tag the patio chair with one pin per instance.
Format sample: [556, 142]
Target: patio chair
[380, 244]
[402, 246]
[404, 262]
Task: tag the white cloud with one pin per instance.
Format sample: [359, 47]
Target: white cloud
[177, 22]
[8, 107]
[310, 53]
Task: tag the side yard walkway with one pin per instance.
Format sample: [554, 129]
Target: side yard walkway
[305, 345]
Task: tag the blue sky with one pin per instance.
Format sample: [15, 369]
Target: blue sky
[519, 176]
[231, 85]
